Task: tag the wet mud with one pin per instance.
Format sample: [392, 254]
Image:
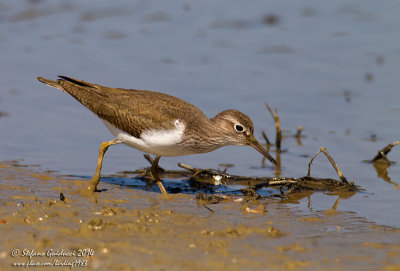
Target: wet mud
[122, 228]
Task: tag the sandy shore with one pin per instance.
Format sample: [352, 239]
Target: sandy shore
[127, 229]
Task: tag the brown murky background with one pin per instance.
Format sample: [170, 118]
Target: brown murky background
[330, 67]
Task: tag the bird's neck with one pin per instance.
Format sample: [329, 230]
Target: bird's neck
[213, 131]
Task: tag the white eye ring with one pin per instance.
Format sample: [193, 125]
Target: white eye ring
[239, 128]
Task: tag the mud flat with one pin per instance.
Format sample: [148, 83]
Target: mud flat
[128, 229]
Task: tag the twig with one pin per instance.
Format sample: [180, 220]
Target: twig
[336, 204]
[266, 138]
[333, 163]
[338, 171]
[309, 164]
[254, 183]
[190, 168]
[289, 184]
[277, 126]
[383, 152]
[208, 208]
[298, 133]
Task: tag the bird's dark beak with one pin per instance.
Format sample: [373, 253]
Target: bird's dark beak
[252, 141]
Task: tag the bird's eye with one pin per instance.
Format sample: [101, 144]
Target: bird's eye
[239, 128]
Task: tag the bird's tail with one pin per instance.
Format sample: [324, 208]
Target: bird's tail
[60, 83]
[90, 95]
[50, 83]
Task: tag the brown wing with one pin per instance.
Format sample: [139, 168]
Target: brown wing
[130, 110]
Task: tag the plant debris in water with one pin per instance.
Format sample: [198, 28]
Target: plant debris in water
[286, 185]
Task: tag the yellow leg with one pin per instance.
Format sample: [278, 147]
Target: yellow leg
[96, 177]
[154, 167]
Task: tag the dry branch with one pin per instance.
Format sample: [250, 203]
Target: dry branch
[287, 185]
[277, 126]
[266, 138]
[335, 166]
[298, 135]
[216, 177]
[382, 154]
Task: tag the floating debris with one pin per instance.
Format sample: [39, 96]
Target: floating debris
[382, 154]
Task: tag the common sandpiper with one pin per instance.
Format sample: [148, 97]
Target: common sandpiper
[157, 123]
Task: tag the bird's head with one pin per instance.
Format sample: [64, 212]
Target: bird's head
[239, 129]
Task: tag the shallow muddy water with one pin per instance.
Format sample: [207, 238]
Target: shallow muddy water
[329, 67]
[129, 229]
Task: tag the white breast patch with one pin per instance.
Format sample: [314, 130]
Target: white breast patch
[159, 142]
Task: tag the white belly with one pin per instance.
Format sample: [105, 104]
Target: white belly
[159, 142]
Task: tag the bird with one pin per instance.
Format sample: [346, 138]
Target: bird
[157, 123]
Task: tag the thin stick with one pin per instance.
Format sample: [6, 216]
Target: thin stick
[266, 138]
[269, 110]
[336, 204]
[333, 163]
[282, 182]
[309, 164]
[383, 152]
[338, 171]
[211, 176]
[299, 130]
[190, 168]
[298, 135]
[208, 208]
[278, 130]
[277, 126]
